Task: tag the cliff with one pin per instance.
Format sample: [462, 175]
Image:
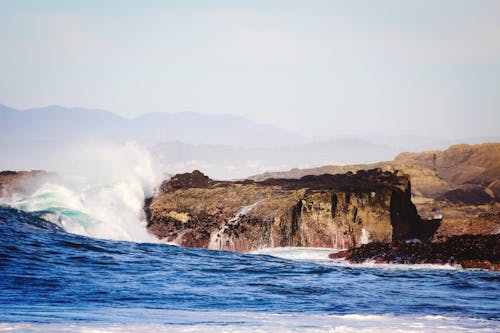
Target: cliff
[336, 211]
[433, 173]
[461, 185]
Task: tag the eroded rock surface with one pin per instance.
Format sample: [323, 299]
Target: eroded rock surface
[336, 211]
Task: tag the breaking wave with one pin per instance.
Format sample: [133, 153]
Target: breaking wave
[101, 193]
[249, 322]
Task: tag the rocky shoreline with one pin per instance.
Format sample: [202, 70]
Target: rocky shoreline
[369, 212]
[469, 251]
[331, 211]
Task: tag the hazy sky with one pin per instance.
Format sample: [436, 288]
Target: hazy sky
[321, 68]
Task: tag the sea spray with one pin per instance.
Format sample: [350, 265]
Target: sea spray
[216, 236]
[101, 193]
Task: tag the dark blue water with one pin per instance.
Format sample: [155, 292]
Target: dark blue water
[47, 275]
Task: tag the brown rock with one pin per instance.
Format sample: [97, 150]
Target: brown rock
[433, 173]
[335, 211]
[460, 187]
[480, 264]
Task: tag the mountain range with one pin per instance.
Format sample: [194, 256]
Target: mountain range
[223, 146]
[56, 123]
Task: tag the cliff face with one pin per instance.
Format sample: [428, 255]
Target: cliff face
[337, 211]
[461, 185]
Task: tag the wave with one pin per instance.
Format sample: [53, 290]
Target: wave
[297, 253]
[217, 322]
[320, 256]
[101, 194]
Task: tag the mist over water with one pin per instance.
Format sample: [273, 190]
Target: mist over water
[100, 193]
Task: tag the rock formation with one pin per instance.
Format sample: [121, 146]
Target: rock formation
[336, 211]
[460, 185]
[469, 251]
[22, 182]
[433, 173]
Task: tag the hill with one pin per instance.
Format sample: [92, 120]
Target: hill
[434, 173]
[460, 184]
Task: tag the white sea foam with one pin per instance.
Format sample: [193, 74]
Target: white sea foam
[297, 253]
[371, 264]
[320, 256]
[102, 193]
[243, 322]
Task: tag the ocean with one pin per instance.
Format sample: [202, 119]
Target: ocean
[76, 257]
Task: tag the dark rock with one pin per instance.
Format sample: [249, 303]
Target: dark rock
[474, 196]
[194, 179]
[470, 251]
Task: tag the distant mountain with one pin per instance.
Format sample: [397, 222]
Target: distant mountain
[56, 122]
[222, 146]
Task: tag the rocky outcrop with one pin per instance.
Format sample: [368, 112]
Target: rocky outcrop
[336, 211]
[22, 182]
[460, 186]
[469, 251]
[433, 173]
[461, 219]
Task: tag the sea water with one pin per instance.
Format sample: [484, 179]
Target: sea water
[55, 281]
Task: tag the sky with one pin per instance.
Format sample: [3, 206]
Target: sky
[319, 68]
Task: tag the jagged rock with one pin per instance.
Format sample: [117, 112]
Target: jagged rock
[469, 251]
[337, 211]
[195, 179]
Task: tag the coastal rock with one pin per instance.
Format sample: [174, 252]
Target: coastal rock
[433, 173]
[469, 251]
[459, 186]
[336, 211]
[22, 182]
[462, 219]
